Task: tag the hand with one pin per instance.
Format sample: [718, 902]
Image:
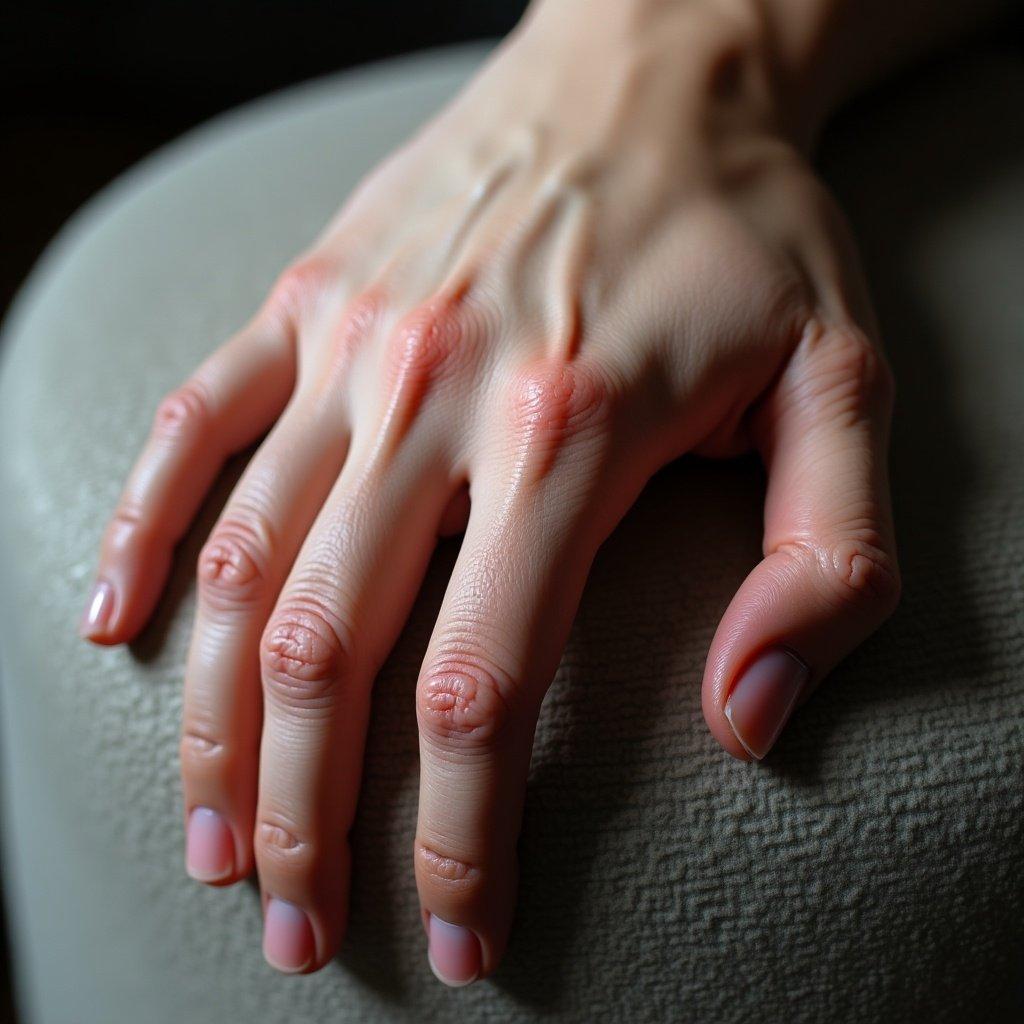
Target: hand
[605, 253]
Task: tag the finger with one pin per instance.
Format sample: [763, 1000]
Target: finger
[829, 577]
[240, 573]
[232, 398]
[533, 530]
[340, 611]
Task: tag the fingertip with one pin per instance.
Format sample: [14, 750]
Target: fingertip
[763, 697]
[119, 628]
[98, 609]
[209, 848]
[304, 893]
[289, 945]
[213, 854]
[128, 586]
[101, 622]
[758, 667]
[454, 952]
[715, 689]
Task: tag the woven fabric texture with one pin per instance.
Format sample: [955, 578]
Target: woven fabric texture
[869, 870]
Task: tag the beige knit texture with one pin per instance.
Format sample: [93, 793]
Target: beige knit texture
[871, 869]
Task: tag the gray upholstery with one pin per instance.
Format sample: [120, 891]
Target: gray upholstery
[869, 870]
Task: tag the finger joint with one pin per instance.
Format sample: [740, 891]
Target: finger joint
[461, 707]
[304, 659]
[281, 849]
[233, 565]
[185, 414]
[849, 376]
[445, 873]
[867, 573]
[554, 404]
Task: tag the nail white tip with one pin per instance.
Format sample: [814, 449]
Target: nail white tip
[736, 733]
[445, 981]
[286, 970]
[208, 879]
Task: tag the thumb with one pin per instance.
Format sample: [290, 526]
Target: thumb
[829, 576]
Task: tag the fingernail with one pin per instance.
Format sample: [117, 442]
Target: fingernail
[288, 942]
[98, 610]
[763, 698]
[209, 846]
[453, 952]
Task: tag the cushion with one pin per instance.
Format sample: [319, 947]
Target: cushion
[869, 870]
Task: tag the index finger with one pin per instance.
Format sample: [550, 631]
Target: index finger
[233, 397]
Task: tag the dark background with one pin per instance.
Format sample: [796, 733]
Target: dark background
[90, 87]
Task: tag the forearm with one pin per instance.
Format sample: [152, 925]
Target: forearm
[810, 55]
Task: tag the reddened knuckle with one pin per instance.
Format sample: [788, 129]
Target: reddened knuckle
[555, 396]
[430, 341]
[184, 413]
[304, 659]
[553, 404]
[460, 706]
[448, 874]
[299, 286]
[232, 566]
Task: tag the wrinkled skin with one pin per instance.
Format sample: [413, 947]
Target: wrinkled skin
[599, 257]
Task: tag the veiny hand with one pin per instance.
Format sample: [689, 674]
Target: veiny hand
[605, 253]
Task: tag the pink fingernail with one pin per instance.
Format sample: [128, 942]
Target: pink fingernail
[288, 942]
[99, 609]
[763, 698]
[453, 952]
[209, 846]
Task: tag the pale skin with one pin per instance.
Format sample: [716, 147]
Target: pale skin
[608, 251]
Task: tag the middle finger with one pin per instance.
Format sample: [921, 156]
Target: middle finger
[341, 610]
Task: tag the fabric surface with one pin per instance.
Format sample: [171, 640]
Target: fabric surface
[869, 870]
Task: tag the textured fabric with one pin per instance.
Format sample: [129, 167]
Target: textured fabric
[869, 870]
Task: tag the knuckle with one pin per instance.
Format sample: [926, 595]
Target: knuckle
[184, 413]
[128, 525]
[862, 573]
[557, 395]
[355, 325]
[127, 517]
[461, 707]
[429, 344]
[299, 287]
[200, 750]
[232, 567]
[280, 847]
[557, 402]
[446, 874]
[303, 659]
